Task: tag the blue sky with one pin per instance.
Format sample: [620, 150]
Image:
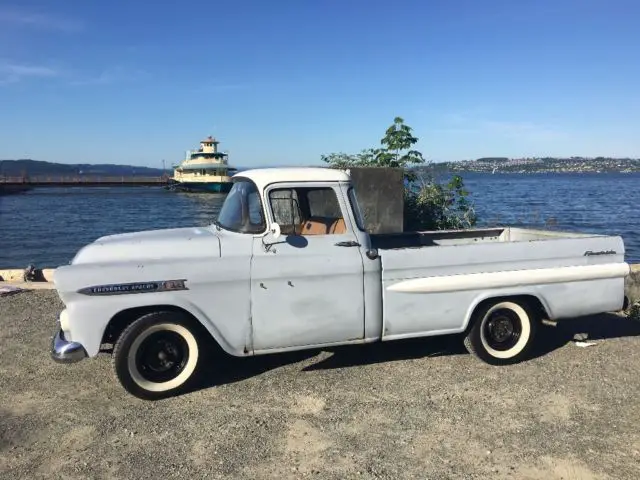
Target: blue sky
[282, 82]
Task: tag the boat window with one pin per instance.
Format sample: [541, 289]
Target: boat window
[242, 209]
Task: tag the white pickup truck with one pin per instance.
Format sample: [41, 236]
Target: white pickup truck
[288, 265]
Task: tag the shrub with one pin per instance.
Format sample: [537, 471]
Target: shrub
[428, 205]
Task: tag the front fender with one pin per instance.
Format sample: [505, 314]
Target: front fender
[87, 319]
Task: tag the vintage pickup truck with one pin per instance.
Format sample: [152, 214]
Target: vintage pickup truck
[288, 265]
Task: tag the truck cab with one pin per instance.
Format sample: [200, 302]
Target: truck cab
[289, 265]
[308, 258]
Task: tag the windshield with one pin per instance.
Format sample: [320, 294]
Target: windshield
[242, 209]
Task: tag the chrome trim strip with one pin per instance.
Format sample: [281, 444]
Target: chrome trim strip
[509, 278]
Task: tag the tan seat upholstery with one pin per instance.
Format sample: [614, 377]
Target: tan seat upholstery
[323, 226]
[315, 226]
[338, 227]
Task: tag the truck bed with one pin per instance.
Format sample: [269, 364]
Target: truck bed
[434, 290]
[391, 241]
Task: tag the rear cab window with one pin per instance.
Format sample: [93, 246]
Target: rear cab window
[355, 207]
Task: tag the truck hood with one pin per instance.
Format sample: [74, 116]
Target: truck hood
[174, 243]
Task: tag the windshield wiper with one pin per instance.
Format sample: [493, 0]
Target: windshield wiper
[217, 225]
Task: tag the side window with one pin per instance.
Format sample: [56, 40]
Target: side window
[307, 211]
[325, 216]
[286, 210]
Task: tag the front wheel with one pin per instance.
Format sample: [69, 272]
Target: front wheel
[157, 355]
[502, 332]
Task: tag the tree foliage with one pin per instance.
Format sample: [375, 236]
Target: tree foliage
[395, 151]
[428, 205]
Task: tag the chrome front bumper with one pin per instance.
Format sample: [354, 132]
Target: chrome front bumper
[63, 351]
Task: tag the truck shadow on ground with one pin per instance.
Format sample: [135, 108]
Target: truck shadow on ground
[549, 338]
[226, 369]
[591, 328]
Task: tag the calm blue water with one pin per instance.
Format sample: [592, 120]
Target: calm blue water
[47, 226]
[593, 203]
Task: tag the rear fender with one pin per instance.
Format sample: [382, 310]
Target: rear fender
[502, 294]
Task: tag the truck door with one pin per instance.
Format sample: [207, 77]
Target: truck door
[307, 287]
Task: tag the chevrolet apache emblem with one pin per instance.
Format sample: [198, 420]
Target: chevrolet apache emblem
[140, 287]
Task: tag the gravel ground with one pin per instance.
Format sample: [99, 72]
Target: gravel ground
[415, 409]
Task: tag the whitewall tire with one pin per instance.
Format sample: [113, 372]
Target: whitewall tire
[502, 332]
[157, 355]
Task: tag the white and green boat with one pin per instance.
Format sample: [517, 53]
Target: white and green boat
[204, 170]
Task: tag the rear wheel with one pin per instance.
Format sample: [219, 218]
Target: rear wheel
[157, 355]
[502, 332]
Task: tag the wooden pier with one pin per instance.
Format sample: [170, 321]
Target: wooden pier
[82, 181]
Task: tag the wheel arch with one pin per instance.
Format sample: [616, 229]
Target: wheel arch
[535, 304]
[121, 320]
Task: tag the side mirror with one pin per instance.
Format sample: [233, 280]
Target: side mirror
[270, 237]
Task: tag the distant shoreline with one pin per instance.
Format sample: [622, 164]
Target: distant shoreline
[538, 165]
[538, 172]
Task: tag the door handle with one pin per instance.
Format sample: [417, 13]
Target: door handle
[349, 243]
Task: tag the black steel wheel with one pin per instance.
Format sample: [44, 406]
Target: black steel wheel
[502, 329]
[162, 356]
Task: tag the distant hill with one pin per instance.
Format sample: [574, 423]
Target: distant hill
[536, 165]
[17, 168]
